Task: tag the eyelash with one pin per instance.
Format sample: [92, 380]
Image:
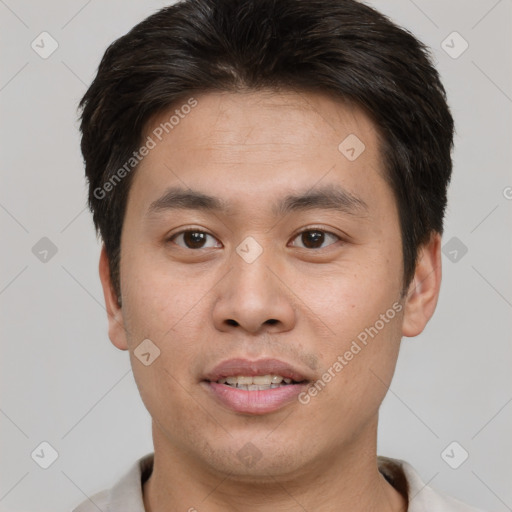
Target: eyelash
[309, 229]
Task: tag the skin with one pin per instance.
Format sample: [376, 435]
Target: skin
[202, 306]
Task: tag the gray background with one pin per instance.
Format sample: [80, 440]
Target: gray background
[64, 383]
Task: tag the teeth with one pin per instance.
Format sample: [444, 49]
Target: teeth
[256, 382]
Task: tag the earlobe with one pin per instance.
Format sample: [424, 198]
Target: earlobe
[423, 293]
[116, 330]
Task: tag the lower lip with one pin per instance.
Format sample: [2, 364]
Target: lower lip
[255, 402]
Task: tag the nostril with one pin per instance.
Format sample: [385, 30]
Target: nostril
[234, 323]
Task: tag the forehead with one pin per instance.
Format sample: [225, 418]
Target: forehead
[258, 142]
[250, 118]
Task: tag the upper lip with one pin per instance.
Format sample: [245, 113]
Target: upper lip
[235, 367]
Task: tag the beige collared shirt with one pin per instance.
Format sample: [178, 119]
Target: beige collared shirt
[126, 495]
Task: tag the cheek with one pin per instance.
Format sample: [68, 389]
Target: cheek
[357, 374]
[168, 394]
[347, 296]
[166, 310]
[359, 302]
[158, 298]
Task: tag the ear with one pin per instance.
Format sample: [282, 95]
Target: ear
[116, 330]
[423, 292]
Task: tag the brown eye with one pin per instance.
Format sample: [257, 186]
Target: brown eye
[315, 239]
[194, 240]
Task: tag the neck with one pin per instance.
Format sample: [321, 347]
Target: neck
[346, 479]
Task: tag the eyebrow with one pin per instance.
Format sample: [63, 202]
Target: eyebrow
[328, 197]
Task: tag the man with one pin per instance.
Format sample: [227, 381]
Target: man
[269, 180]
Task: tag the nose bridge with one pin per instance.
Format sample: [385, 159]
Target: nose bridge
[251, 280]
[251, 295]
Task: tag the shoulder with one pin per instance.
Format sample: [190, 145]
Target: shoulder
[421, 497]
[99, 501]
[126, 495]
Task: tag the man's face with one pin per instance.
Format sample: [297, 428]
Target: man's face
[283, 271]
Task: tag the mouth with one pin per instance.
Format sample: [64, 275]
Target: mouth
[258, 382]
[255, 387]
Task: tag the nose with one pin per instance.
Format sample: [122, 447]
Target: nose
[252, 298]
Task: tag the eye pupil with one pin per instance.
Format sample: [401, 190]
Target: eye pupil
[194, 239]
[313, 239]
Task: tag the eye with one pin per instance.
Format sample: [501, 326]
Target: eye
[194, 239]
[315, 239]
